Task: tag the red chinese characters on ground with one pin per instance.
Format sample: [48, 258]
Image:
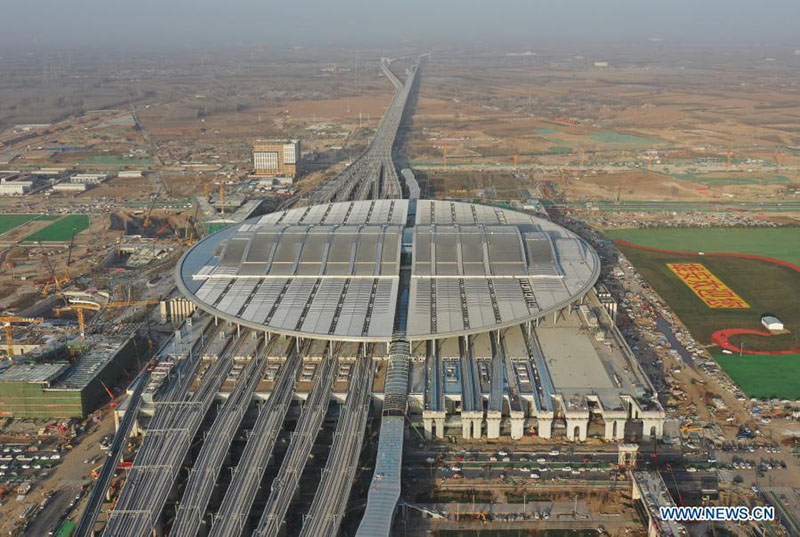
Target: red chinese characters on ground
[707, 287]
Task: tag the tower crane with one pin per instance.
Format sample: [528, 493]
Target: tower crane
[69, 254]
[192, 233]
[55, 280]
[7, 322]
[147, 222]
[80, 307]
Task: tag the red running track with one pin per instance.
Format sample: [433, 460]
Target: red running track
[722, 337]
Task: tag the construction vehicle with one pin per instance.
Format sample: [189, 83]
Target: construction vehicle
[95, 473]
[690, 428]
[7, 322]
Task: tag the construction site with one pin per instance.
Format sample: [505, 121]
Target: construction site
[382, 296]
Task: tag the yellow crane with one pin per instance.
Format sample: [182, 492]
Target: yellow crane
[79, 309]
[56, 281]
[7, 322]
[150, 208]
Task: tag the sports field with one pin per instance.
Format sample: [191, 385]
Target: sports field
[762, 287]
[60, 230]
[778, 243]
[765, 287]
[764, 376]
[12, 221]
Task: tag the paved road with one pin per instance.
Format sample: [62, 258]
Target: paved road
[51, 517]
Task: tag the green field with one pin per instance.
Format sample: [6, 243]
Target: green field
[60, 230]
[12, 221]
[779, 243]
[732, 179]
[116, 161]
[620, 138]
[764, 376]
[768, 288]
[66, 529]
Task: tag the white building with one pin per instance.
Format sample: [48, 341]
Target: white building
[276, 157]
[13, 185]
[70, 187]
[772, 323]
[130, 174]
[88, 178]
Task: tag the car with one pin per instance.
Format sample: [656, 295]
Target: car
[534, 476]
[541, 460]
[502, 453]
[554, 453]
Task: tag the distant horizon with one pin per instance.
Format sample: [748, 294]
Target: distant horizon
[150, 25]
[646, 48]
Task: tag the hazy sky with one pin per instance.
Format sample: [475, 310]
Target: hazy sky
[157, 23]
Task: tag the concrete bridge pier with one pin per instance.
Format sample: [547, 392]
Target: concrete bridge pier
[545, 427]
[615, 429]
[576, 428]
[493, 424]
[517, 425]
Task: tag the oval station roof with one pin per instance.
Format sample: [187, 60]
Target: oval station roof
[362, 270]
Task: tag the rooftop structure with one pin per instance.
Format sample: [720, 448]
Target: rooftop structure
[65, 390]
[333, 271]
[37, 373]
